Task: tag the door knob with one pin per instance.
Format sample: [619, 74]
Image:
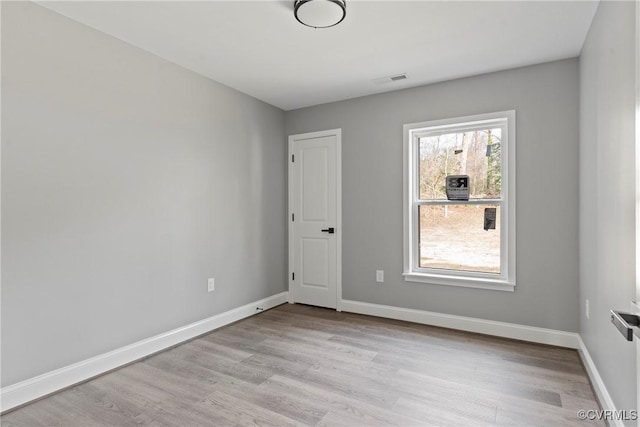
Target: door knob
[330, 230]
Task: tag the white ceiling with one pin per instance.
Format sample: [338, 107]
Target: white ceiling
[258, 48]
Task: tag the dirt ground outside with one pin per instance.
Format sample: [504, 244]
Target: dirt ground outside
[454, 238]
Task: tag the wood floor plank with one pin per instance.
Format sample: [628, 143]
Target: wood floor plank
[447, 413]
[313, 353]
[220, 350]
[277, 365]
[511, 408]
[290, 406]
[351, 385]
[469, 376]
[222, 365]
[300, 335]
[52, 411]
[106, 408]
[298, 365]
[243, 413]
[555, 381]
[362, 413]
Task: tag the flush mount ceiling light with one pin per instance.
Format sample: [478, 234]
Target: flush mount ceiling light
[320, 13]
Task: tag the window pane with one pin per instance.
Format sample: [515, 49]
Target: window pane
[454, 238]
[473, 153]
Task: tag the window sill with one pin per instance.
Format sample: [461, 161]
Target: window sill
[465, 282]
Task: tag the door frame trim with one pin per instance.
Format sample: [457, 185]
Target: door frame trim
[338, 235]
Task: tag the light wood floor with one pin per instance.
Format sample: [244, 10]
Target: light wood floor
[301, 365]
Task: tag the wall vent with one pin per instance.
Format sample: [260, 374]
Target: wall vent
[398, 77]
[391, 79]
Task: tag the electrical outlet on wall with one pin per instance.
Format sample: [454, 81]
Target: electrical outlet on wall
[586, 308]
[211, 284]
[379, 275]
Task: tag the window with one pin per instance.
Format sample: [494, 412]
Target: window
[461, 242]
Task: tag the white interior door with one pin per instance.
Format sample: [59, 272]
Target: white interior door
[638, 198]
[315, 227]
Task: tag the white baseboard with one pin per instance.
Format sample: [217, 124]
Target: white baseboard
[470, 324]
[598, 384]
[34, 388]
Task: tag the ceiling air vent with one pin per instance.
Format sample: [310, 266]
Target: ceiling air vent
[391, 79]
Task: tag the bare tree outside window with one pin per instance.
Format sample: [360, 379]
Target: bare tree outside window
[453, 236]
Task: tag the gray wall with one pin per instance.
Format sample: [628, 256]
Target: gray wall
[607, 251]
[545, 98]
[127, 181]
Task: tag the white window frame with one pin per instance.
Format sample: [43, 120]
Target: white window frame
[506, 279]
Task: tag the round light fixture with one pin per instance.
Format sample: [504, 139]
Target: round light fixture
[320, 13]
